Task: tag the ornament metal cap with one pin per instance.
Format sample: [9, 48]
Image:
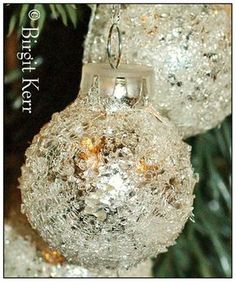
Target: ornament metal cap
[130, 83]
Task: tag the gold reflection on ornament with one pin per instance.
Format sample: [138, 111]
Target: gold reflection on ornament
[90, 147]
[143, 167]
[91, 150]
[52, 256]
[87, 143]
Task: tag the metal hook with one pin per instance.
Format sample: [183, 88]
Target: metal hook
[109, 54]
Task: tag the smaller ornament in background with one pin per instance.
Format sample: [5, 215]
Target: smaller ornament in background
[26, 255]
[189, 47]
[52, 256]
[108, 182]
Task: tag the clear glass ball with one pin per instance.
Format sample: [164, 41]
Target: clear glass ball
[107, 185]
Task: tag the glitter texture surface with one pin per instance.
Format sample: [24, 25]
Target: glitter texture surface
[26, 255]
[106, 184]
[189, 47]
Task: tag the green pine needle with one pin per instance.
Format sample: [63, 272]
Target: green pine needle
[72, 13]
[12, 24]
[62, 13]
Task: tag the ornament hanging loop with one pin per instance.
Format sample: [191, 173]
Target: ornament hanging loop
[114, 61]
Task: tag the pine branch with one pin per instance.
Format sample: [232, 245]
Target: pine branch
[204, 247]
[67, 13]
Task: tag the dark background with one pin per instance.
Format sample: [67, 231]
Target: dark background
[61, 50]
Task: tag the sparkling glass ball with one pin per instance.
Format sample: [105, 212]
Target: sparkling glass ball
[107, 185]
[189, 47]
[26, 255]
[22, 259]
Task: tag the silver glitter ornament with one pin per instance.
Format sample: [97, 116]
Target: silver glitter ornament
[108, 182]
[189, 47]
[22, 259]
[26, 255]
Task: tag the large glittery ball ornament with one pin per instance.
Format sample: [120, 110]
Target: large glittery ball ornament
[108, 182]
[189, 47]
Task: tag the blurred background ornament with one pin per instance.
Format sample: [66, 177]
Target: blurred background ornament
[108, 181]
[189, 47]
[27, 255]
